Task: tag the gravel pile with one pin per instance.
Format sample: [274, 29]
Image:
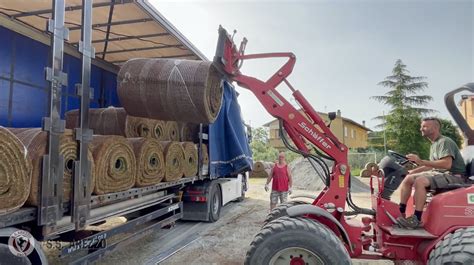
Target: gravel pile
[306, 178]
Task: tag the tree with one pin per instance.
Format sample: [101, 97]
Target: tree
[376, 140]
[402, 123]
[261, 148]
[448, 129]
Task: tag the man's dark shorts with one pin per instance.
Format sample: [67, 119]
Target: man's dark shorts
[440, 180]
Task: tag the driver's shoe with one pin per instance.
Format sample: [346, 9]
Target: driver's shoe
[411, 222]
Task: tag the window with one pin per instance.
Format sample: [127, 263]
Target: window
[345, 132]
[353, 133]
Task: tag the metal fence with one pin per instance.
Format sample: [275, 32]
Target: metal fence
[359, 160]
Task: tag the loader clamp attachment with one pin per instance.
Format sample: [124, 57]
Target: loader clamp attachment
[456, 114]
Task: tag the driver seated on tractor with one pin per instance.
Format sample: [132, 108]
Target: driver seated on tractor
[446, 166]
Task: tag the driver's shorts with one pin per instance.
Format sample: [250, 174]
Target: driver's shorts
[440, 180]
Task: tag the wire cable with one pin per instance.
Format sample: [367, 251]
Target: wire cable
[325, 177]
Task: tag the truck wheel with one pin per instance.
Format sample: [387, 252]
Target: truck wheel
[280, 211]
[298, 240]
[7, 257]
[215, 203]
[455, 248]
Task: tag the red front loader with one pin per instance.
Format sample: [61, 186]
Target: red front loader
[325, 232]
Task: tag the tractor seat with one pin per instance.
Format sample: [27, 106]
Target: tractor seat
[468, 155]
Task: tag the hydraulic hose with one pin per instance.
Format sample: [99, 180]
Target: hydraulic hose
[312, 158]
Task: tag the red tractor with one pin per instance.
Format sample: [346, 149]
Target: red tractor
[324, 232]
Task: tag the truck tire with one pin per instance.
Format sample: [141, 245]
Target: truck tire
[215, 203]
[455, 248]
[7, 257]
[280, 211]
[296, 241]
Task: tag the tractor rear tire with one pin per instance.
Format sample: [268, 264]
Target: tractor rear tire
[280, 211]
[455, 248]
[288, 240]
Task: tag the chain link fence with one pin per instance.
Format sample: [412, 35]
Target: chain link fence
[357, 161]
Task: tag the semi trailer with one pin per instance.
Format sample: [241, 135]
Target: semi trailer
[62, 55]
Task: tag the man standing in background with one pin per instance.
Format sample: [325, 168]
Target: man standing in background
[282, 182]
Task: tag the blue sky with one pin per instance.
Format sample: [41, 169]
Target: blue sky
[343, 48]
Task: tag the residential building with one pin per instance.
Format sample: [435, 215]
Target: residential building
[467, 110]
[349, 132]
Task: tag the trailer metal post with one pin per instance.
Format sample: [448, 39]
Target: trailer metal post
[50, 206]
[82, 169]
[200, 153]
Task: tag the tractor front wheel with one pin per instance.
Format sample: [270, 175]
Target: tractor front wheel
[280, 210]
[455, 248]
[296, 241]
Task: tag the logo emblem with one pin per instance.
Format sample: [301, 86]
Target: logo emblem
[470, 198]
[21, 243]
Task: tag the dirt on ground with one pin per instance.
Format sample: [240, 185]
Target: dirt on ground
[223, 242]
[227, 240]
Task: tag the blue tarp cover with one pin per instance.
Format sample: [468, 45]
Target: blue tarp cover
[229, 151]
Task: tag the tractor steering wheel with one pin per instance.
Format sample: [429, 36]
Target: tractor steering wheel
[398, 157]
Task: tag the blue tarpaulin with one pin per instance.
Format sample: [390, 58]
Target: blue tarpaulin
[229, 150]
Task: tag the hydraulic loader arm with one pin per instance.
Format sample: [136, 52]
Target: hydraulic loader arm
[300, 127]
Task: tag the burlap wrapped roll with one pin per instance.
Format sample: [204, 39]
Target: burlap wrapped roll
[261, 169]
[204, 159]
[15, 172]
[104, 121]
[258, 166]
[190, 159]
[172, 130]
[138, 127]
[189, 132]
[68, 149]
[159, 130]
[150, 161]
[174, 160]
[36, 142]
[170, 89]
[115, 164]
[205, 155]
[365, 173]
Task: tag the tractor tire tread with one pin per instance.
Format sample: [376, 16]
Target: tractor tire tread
[280, 210]
[286, 223]
[454, 248]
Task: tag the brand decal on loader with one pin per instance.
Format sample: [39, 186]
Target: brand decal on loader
[470, 198]
[315, 135]
[277, 99]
